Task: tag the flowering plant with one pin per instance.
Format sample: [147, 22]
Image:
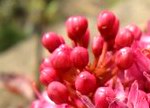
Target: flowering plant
[119, 76]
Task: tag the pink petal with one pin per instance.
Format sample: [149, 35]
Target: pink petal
[133, 94]
[119, 90]
[117, 104]
[141, 100]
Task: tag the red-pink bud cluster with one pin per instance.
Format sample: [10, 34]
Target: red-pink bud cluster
[121, 56]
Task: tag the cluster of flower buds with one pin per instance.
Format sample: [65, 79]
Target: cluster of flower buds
[118, 77]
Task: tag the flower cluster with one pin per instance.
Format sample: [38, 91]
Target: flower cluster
[118, 77]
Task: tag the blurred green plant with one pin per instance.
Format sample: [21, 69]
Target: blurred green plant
[20, 19]
[10, 34]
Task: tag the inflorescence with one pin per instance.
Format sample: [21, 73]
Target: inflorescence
[118, 77]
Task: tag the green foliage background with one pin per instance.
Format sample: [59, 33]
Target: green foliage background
[19, 19]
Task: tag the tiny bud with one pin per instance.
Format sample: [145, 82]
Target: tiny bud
[76, 27]
[48, 75]
[85, 83]
[57, 92]
[60, 58]
[103, 96]
[79, 57]
[45, 63]
[51, 41]
[135, 31]
[107, 24]
[97, 45]
[106, 20]
[124, 38]
[124, 58]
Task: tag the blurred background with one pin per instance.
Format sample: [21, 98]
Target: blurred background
[22, 23]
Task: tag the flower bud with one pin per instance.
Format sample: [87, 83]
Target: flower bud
[51, 41]
[57, 92]
[85, 83]
[97, 45]
[76, 27]
[107, 24]
[124, 58]
[48, 75]
[60, 58]
[137, 33]
[124, 38]
[45, 63]
[103, 96]
[79, 57]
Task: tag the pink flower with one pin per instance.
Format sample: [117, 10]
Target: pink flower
[119, 76]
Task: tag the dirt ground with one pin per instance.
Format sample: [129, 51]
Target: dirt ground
[21, 58]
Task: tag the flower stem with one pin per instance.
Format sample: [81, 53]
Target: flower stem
[102, 57]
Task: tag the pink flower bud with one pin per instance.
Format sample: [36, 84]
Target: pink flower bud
[103, 97]
[51, 41]
[107, 24]
[137, 33]
[106, 20]
[79, 57]
[97, 45]
[85, 83]
[45, 63]
[60, 58]
[124, 38]
[124, 58]
[48, 75]
[121, 66]
[76, 27]
[57, 92]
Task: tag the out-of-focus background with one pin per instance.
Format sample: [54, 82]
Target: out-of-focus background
[22, 23]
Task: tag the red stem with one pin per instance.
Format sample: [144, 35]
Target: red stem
[102, 57]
